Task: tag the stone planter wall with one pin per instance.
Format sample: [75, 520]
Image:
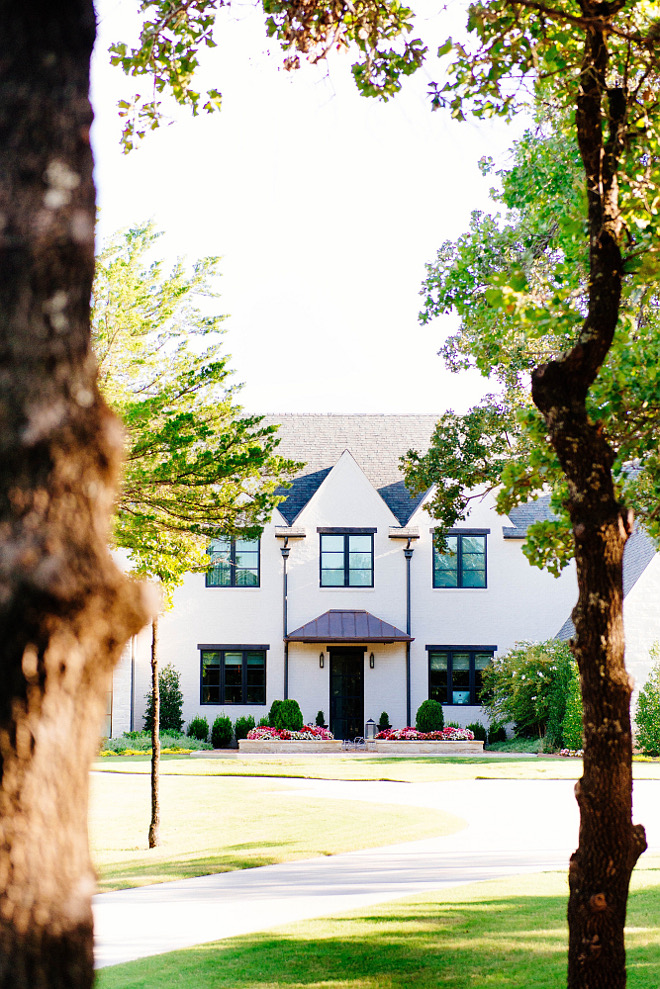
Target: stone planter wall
[273, 747]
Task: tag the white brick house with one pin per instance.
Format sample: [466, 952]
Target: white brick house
[344, 605]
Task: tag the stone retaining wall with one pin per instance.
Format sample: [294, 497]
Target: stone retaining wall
[286, 748]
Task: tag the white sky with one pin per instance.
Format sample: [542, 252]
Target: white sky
[324, 206]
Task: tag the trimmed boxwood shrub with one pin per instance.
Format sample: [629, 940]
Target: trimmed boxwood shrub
[430, 716]
[221, 732]
[242, 726]
[384, 721]
[198, 728]
[320, 719]
[272, 714]
[288, 715]
[478, 730]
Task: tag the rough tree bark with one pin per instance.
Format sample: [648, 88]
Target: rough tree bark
[609, 844]
[154, 824]
[65, 610]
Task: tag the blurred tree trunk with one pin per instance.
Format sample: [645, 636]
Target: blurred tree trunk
[65, 610]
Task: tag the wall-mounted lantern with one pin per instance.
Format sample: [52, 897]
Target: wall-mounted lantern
[321, 661]
[371, 661]
[370, 730]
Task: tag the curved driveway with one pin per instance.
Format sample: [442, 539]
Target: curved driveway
[514, 826]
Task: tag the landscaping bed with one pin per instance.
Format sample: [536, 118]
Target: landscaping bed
[283, 740]
[411, 741]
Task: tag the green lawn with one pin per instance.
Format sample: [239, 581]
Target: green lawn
[408, 770]
[214, 824]
[505, 934]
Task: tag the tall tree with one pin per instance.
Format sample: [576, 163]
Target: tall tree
[65, 609]
[597, 63]
[196, 465]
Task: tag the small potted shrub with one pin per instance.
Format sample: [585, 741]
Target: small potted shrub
[320, 720]
[384, 721]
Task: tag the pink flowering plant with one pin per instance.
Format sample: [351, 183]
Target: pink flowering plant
[412, 735]
[308, 733]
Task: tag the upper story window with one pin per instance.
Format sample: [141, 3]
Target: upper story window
[464, 563]
[455, 673]
[347, 558]
[234, 562]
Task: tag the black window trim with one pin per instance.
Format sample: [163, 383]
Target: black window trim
[472, 650]
[459, 570]
[223, 648]
[233, 571]
[345, 531]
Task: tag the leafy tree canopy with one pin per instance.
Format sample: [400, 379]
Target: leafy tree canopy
[196, 466]
[518, 282]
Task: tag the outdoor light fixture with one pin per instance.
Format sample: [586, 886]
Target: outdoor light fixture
[370, 730]
[321, 661]
[371, 662]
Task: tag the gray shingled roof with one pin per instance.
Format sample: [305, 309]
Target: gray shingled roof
[339, 625]
[640, 550]
[376, 442]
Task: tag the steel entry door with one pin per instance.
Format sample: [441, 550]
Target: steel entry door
[347, 693]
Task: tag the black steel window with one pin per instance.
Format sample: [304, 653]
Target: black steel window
[455, 673]
[233, 676]
[234, 563]
[464, 562]
[347, 559]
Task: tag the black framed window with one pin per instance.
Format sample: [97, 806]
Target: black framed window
[455, 673]
[233, 675]
[464, 562]
[234, 562]
[347, 559]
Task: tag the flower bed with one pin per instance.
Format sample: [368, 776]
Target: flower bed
[308, 733]
[412, 735]
[280, 740]
[409, 741]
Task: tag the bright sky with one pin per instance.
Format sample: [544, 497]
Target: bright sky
[324, 207]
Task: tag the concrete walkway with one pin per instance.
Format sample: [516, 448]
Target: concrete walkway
[514, 826]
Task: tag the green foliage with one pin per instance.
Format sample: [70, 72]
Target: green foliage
[430, 716]
[571, 727]
[272, 714]
[140, 741]
[478, 730]
[525, 686]
[496, 733]
[198, 727]
[171, 701]
[195, 465]
[647, 715]
[264, 722]
[320, 719]
[242, 726]
[287, 715]
[384, 721]
[221, 732]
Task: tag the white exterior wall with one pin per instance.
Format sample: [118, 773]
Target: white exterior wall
[641, 619]
[121, 694]
[519, 603]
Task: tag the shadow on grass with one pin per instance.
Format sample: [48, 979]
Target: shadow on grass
[130, 874]
[496, 943]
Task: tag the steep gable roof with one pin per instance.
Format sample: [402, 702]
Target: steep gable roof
[377, 442]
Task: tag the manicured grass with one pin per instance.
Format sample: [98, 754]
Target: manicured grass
[210, 824]
[424, 769]
[504, 934]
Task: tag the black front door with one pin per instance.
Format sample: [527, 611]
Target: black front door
[347, 693]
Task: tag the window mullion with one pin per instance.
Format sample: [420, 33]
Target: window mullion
[347, 574]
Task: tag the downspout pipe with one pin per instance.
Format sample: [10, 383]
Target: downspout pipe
[408, 552]
[285, 550]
